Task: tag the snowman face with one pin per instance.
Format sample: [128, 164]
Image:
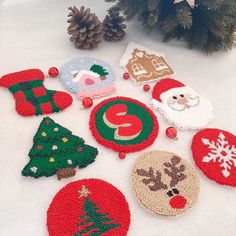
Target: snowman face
[182, 101]
[164, 183]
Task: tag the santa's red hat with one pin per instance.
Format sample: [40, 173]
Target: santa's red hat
[167, 88]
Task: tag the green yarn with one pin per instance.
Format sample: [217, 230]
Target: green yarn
[55, 148]
[108, 133]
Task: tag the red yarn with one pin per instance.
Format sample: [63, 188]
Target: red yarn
[21, 76]
[62, 100]
[116, 147]
[163, 86]
[66, 208]
[213, 169]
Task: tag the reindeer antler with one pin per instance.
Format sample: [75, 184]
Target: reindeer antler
[176, 173]
[152, 178]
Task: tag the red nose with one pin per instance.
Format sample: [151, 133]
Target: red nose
[178, 202]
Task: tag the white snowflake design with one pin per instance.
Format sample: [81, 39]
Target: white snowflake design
[221, 151]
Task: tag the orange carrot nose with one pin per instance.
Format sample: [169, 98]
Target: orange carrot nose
[178, 202]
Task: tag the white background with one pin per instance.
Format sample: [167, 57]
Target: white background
[33, 35]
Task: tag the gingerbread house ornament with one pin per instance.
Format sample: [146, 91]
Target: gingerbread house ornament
[144, 64]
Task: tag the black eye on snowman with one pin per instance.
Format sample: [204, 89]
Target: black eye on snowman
[181, 95]
[174, 97]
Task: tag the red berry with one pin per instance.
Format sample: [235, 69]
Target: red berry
[126, 75]
[122, 155]
[146, 87]
[171, 132]
[79, 149]
[53, 72]
[87, 102]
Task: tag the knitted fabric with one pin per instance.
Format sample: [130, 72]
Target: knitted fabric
[164, 183]
[57, 151]
[123, 124]
[214, 153]
[32, 98]
[88, 207]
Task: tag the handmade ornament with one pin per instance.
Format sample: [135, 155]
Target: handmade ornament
[181, 105]
[144, 64]
[85, 28]
[214, 152]
[123, 124]
[113, 25]
[88, 77]
[57, 151]
[32, 98]
[88, 207]
[164, 183]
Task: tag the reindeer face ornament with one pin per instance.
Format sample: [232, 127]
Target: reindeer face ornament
[164, 183]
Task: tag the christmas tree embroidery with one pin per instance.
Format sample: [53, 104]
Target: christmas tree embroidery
[222, 152]
[57, 151]
[93, 219]
[99, 70]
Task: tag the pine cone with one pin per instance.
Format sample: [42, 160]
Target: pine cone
[113, 25]
[85, 28]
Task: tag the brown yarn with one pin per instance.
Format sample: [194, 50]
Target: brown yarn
[65, 173]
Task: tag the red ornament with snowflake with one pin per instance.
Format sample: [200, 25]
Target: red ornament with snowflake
[214, 152]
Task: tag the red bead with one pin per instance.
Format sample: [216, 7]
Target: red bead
[146, 87]
[126, 75]
[53, 72]
[171, 132]
[122, 155]
[79, 149]
[87, 102]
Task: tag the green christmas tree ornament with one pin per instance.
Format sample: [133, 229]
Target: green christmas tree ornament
[205, 24]
[57, 151]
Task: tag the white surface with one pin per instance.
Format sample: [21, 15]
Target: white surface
[33, 34]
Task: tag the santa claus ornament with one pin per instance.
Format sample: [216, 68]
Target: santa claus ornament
[32, 98]
[124, 125]
[181, 105]
[143, 64]
[164, 183]
[88, 77]
[214, 152]
[88, 207]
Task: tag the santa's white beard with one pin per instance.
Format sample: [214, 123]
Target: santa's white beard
[192, 102]
[194, 117]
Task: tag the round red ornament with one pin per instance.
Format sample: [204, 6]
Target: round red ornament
[88, 206]
[126, 75]
[146, 87]
[53, 72]
[87, 102]
[171, 132]
[122, 155]
[214, 153]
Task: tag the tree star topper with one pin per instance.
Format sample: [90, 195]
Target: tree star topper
[84, 192]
